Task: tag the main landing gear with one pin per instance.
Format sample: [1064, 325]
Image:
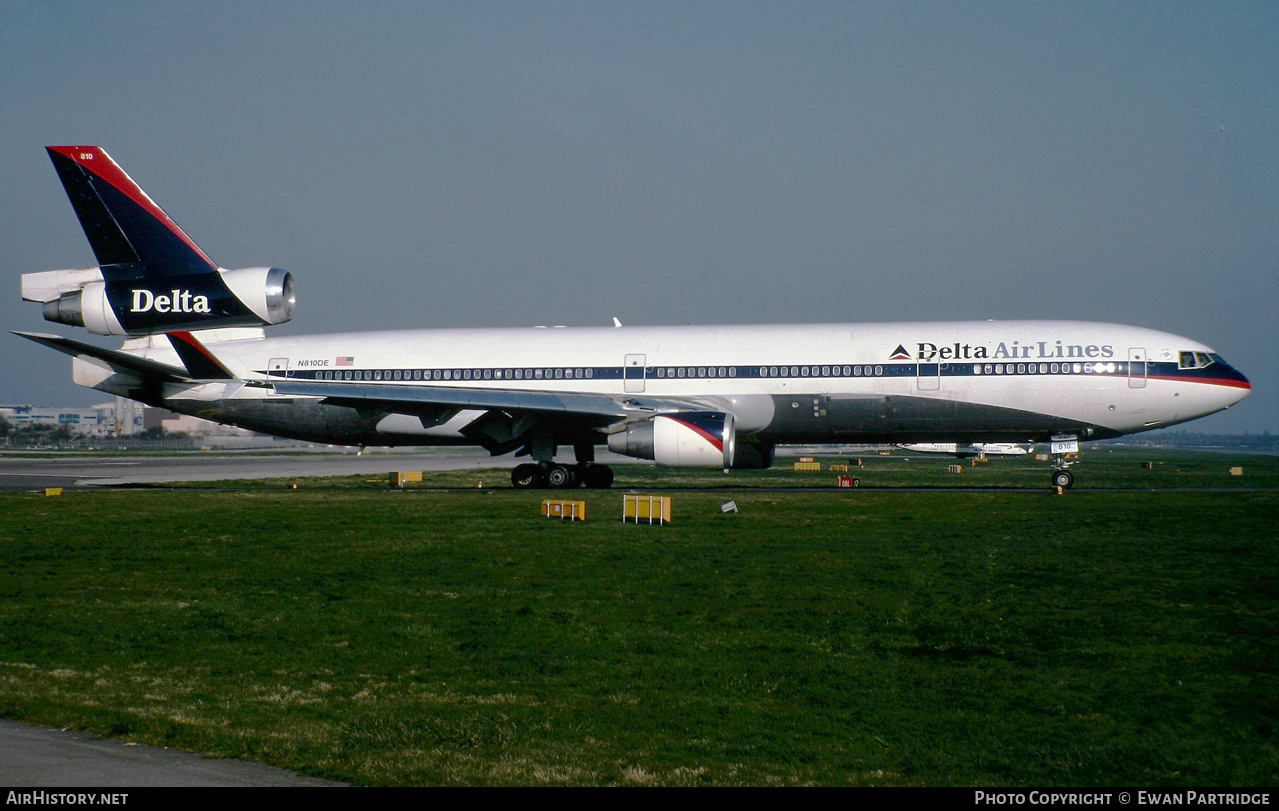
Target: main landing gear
[555, 476]
[546, 473]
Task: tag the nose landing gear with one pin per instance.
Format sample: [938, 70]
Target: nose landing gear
[1063, 478]
[1065, 452]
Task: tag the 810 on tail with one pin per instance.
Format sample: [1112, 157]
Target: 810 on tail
[709, 397]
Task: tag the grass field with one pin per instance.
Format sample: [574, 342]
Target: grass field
[947, 636]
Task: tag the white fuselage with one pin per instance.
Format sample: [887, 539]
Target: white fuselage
[793, 383]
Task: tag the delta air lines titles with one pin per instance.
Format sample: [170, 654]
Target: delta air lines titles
[1037, 350]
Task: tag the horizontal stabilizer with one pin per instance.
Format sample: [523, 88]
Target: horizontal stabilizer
[121, 362]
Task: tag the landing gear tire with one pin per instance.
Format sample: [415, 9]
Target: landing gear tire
[526, 477]
[1063, 479]
[559, 477]
[597, 477]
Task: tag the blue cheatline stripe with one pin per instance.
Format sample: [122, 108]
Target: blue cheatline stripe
[657, 374]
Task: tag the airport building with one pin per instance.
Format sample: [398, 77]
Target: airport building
[121, 418]
[97, 420]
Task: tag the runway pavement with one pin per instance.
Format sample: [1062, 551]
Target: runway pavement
[35, 471]
[38, 757]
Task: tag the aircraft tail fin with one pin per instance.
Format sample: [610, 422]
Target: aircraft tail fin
[151, 278]
[130, 235]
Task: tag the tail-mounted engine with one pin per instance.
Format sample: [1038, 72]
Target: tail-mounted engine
[689, 439]
[150, 276]
[248, 297]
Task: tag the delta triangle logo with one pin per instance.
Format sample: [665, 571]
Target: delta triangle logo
[900, 353]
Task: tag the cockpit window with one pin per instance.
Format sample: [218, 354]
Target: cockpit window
[1194, 360]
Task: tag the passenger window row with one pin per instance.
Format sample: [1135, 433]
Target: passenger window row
[696, 372]
[457, 374]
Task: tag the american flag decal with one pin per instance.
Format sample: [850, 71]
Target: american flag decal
[345, 360]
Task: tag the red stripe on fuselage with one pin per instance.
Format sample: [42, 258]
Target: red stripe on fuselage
[1211, 381]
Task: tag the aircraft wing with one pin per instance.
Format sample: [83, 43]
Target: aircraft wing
[511, 416]
[597, 408]
[119, 361]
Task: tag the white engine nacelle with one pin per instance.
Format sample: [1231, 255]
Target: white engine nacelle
[268, 292]
[688, 439]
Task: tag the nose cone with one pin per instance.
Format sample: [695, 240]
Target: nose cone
[1231, 382]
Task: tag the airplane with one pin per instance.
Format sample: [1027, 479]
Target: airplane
[966, 450]
[683, 397]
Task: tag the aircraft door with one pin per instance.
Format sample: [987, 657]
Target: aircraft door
[1136, 368]
[928, 376]
[278, 366]
[633, 371]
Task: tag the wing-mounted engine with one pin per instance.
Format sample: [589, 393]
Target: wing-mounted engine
[687, 439]
[249, 297]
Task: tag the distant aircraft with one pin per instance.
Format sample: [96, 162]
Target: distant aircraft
[711, 397]
[970, 449]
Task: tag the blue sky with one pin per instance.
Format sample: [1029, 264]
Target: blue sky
[503, 164]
